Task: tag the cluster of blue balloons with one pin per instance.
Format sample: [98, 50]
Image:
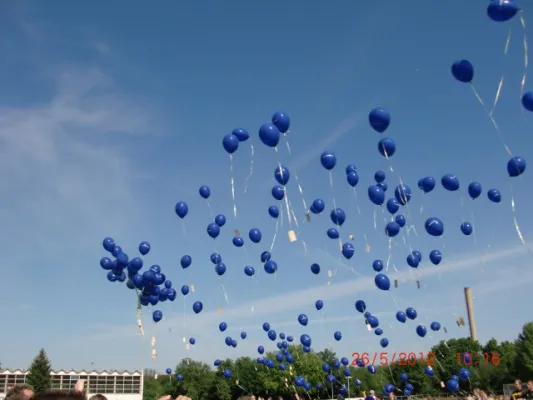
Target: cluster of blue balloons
[179, 377]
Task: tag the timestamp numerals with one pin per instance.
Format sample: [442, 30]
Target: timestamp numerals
[466, 359]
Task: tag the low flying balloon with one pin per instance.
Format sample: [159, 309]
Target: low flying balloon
[467, 228]
[182, 209]
[382, 281]
[230, 143]
[205, 192]
[144, 248]
[348, 250]
[269, 135]
[315, 269]
[317, 206]
[157, 315]
[387, 147]
[319, 304]
[411, 313]
[255, 235]
[282, 175]
[502, 10]
[434, 226]
[328, 160]
[270, 267]
[403, 193]
[333, 233]
[400, 220]
[384, 342]
[282, 121]
[392, 229]
[450, 182]
[360, 306]
[376, 195]
[213, 230]
[401, 317]
[379, 119]
[352, 178]
[393, 205]
[378, 332]
[197, 307]
[338, 216]
[273, 211]
[516, 166]
[421, 330]
[377, 265]
[426, 184]
[435, 326]
[249, 271]
[474, 190]
[379, 176]
[241, 134]
[494, 195]
[435, 256]
[463, 71]
[303, 320]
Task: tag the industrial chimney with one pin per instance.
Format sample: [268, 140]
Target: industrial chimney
[470, 311]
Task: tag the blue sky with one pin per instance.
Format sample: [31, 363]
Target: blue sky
[110, 114]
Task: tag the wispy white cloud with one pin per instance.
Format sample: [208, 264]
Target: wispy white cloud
[297, 299]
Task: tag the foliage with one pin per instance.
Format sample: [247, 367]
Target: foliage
[491, 366]
[39, 378]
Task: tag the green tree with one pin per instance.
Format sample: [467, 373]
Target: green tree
[524, 352]
[39, 377]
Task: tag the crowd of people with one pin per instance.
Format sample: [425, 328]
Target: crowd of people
[25, 392]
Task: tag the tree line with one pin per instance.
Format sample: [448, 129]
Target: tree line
[491, 366]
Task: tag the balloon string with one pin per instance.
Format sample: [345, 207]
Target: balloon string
[332, 191]
[251, 169]
[232, 185]
[516, 226]
[500, 84]
[224, 291]
[287, 143]
[356, 201]
[275, 235]
[300, 189]
[210, 209]
[526, 57]
[183, 228]
[492, 120]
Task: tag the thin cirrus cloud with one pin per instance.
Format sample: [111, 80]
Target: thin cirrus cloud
[298, 299]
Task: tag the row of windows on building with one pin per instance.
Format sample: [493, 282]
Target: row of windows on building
[95, 384]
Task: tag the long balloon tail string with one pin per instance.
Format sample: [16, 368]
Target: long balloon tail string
[210, 209]
[356, 201]
[251, 169]
[183, 229]
[500, 84]
[300, 189]
[224, 292]
[496, 127]
[293, 215]
[332, 190]
[526, 57]
[275, 235]
[516, 226]
[232, 186]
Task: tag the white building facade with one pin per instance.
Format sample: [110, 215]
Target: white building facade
[115, 385]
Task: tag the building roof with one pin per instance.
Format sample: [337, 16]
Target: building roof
[105, 372]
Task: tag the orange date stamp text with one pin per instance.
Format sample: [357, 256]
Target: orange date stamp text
[385, 358]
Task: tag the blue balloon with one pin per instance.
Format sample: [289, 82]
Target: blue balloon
[387, 147]
[377, 265]
[474, 190]
[185, 290]
[338, 216]
[220, 220]
[273, 211]
[463, 71]
[450, 182]
[238, 241]
[350, 168]
[249, 271]
[434, 226]
[467, 228]
[216, 258]
[220, 269]
[379, 176]
[352, 178]
[281, 121]
[213, 230]
[429, 371]
[270, 267]
[243, 335]
[452, 385]
[241, 134]
[157, 316]
[527, 101]
[401, 317]
[360, 306]
[502, 10]
[278, 192]
[305, 340]
[317, 206]
[108, 244]
[413, 261]
[192, 341]
[427, 184]
[421, 330]
[400, 220]
[378, 332]
[230, 143]
[337, 336]
[269, 135]
[144, 248]
[186, 261]
[265, 256]
[516, 166]
[393, 205]
[384, 342]
[464, 374]
[379, 119]
[392, 229]
[319, 304]
[197, 307]
[255, 235]
[333, 233]
[205, 192]
[222, 326]
[328, 160]
[348, 250]
[315, 269]
[435, 326]
[494, 195]
[383, 185]
[282, 175]
[182, 209]
[403, 193]
[382, 281]
[411, 313]
[168, 371]
[376, 195]
[435, 256]
[302, 319]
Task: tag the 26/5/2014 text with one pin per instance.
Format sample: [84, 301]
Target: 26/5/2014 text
[384, 358]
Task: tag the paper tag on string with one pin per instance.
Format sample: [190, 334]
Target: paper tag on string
[442, 385]
[236, 233]
[308, 217]
[184, 339]
[330, 273]
[418, 284]
[192, 288]
[292, 236]
[367, 248]
[351, 237]
[154, 354]
[368, 327]
[396, 283]
[219, 310]
[187, 347]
